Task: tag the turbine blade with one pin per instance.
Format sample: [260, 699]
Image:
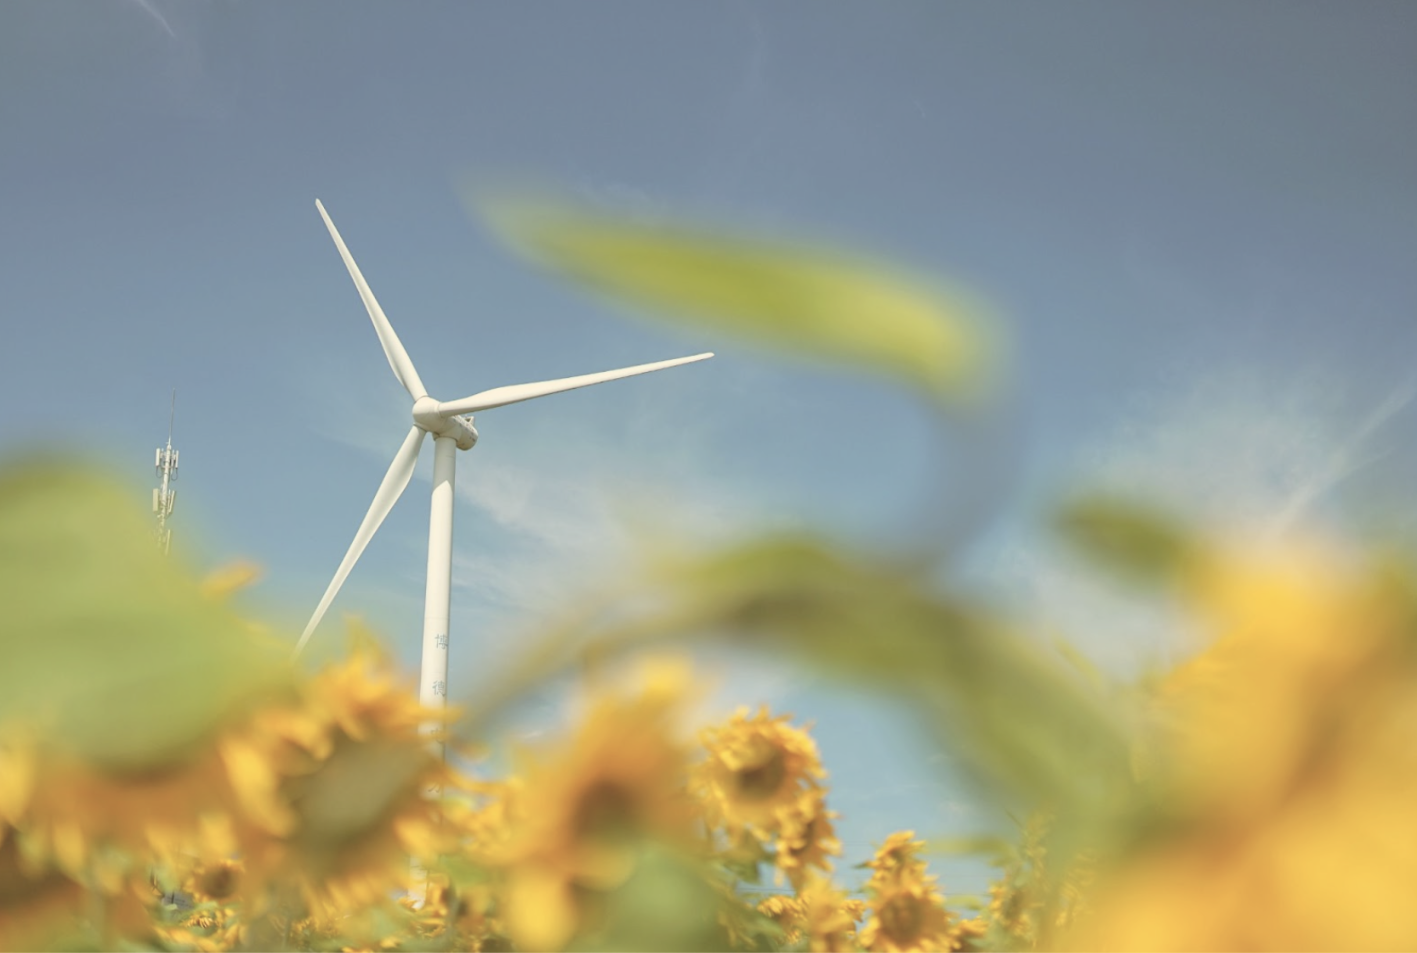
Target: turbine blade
[393, 348]
[500, 396]
[395, 481]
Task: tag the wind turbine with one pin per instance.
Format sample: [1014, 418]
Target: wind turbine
[452, 431]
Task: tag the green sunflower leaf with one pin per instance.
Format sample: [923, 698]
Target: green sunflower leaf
[668, 903]
[107, 647]
[1018, 719]
[982, 844]
[795, 299]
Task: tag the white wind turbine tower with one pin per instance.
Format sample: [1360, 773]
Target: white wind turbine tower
[452, 431]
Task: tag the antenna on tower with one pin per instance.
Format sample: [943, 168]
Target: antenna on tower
[164, 496]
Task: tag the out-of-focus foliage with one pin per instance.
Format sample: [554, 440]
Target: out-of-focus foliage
[1018, 717]
[100, 637]
[168, 781]
[797, 301]
[1128, 538]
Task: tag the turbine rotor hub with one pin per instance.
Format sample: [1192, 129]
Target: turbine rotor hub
[460, 429]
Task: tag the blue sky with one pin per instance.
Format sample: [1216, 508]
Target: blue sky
[1200, 221]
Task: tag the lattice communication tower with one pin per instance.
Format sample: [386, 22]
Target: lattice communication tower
[164, 496]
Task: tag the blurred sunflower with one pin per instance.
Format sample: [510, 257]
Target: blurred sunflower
[806, 840]
[332, 787]
[211, 928]
[909, 915]
[760, 773]
[1298, 637]
[1030, 899]
[1286, 758]
[827, 916]
[101, 826]
[592, 803]
[907, 910]
[481, 815]
[186, 938]
[456, 917]
[38, 904]
[74, 857]
[897, 858]
[215, 882]
[786, 912]
[1013, 911]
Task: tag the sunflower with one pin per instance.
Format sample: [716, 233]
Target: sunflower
[1302, 642]
[590, 804]
[1019, 901]
[481, 818]
[331, 787]
[806, 840]
[896, 859]
[1288, 753]
[481, 815]
[831, 926]
[215, 882]
[966, 932]
[786, 912]
[36, 904]
[106, 822]
[209, 928]
[907, 909]
[828, 916]
[200, 939]
[1012, 910]
[909, 915]
[99, 827]
[17, 770]
[760, 772]
[465, 910]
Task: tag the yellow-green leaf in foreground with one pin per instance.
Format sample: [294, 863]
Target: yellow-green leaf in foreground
[106, 647]
[797, 299]
[1015, 717]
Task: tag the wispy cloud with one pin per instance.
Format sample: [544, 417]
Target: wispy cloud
[555, 524]
[1226, 449]
[1233, 452]
[561, 532]
[1346, 458]
[151, 9]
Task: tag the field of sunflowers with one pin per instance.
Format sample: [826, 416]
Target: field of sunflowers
[170, 780]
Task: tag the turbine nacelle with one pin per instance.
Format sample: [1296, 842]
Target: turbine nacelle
[427, 416]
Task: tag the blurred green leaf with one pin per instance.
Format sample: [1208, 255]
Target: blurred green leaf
[983, 844]
[357, 787]
[1017, 718]
[1133, 540]
[669, 903]
[798, 300]
[106, 645]
[463, 871]
[742, 869]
